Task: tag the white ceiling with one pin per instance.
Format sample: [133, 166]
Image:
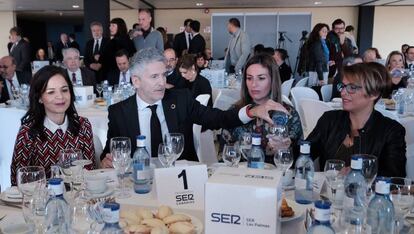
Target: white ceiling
[66, 5]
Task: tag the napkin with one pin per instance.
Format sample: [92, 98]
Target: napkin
[13, 192]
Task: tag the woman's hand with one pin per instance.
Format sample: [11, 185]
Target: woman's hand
[107, 161]
[262, 111]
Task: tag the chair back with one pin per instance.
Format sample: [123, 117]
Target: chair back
[302, 82]
[203, 99]
[311, 110]
[326, 91]
[298, 93]
[286, 86]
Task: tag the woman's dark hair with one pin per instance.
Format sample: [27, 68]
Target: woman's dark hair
[187, 61]
[349, 28]
[201, 55]
[36, 113]
[314, 35]
[122, 28]
[269, 63]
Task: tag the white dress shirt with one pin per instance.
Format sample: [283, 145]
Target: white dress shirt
[144, 117]
[99, 44]
[16, 84]
[186, 38]
[78, 77]
[53, 127]
[127, 77]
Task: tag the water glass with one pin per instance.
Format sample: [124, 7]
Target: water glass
[334, 178]
[81, 221]
[121, 160]
[30, 179]
[283, 159]
[231, 155]
[245, 144]
[401, 192]
[175, 143]
[369, 170]
[165, 155]
[34, 209]
[71, 165]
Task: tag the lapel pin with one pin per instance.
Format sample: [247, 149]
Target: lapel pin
[173, 106]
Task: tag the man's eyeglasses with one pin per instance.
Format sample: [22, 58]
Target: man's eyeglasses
[4, 67]
[350, 88]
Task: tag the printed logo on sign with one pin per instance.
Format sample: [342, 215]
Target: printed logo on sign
[186, 197]
[259, 177]
[89, 97]
[78, 98]
[226, 218]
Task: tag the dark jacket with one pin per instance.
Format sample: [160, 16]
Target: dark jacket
[317, 59]
[197, 44]
[115, 44]
[22, 54]
[180, 110]
[176, 79]
[285, 72]
[337, 52]
[180, 44]
[200, 86]
[381, 136]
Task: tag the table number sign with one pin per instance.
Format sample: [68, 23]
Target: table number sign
[181, 186]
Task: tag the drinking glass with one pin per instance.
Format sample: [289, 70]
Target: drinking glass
[231, 155]
[71, 164]
[369, 170]
[165, 155]
[401, 192]
[30, 178]
[334, 177]
[34, 208]
[81, 221]
[15, 92]
[245, 144]
[121, 159]
[283, 159]
[99, 89]
[175, 143]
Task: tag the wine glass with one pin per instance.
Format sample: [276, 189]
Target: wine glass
[402, 192]
[334, 177]
[30, 178]
[165, 155]
[175, 143]
[71, 169]
[231, 155]
[81, 221]
[34, 208]
[99, 89]
[369, 170]
[121, 159]
[245, 144]
[283, 159]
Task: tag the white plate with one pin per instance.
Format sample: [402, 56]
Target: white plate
[7, 199]
[20, 228]
[108, 192]
[297, 208]
[267, 166]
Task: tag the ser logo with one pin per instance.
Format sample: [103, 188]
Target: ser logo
[226, 218]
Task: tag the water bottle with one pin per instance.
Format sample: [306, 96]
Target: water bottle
[355, 185]
[256, 157]
[116, 96]
[107, 95]
[280, 120]
[141, 165]
[322, 223]
[57, 209]
[304, 173]
[110, 216]
[380, 213]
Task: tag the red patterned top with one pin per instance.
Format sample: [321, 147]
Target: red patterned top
[29, 151]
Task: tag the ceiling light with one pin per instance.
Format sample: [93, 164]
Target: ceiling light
[317, 3]
[199, 4]
[75, 6]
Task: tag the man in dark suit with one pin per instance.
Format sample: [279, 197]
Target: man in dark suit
[174, 78]
[182, 39]
[10, 78]
[155, 111]
[122, 74]
[20, 50]
[72, 41]
[197, 44]
[94, 49]
[78, 75]
[63, 43]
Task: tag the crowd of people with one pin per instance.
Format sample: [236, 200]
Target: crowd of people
[166, 76]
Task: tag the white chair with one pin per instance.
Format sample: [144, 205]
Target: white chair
[286, 100]
[302, 82]
[409, 139]
[204, 142]
[286, 86]
[298, 93]
[10, 127]
[326, 91]
[311, 110]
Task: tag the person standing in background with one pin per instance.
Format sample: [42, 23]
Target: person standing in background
[20, 50]
[197, 44]
[94, 48]
[239, 47]
[147, 36]
[182, 40]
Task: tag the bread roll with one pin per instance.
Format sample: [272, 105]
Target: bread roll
[164, 211]
[176, 218]
[145, 213]
[182, 228]
[153, 222]
[138, 229]
[160, 230]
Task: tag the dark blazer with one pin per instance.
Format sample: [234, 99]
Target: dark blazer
[285, 72]
[176, 79]
[200, 86]
[317, 60]
[381, 136]
[115, 44]
[75, 45]
[21, 53]
[58, 52]
[88, 54]
[180, 110]
[88, 77]
[180, 44]
[113, 77]
[21, 78]
[197, 45]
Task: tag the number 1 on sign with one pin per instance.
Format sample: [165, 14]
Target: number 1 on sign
[184, 175]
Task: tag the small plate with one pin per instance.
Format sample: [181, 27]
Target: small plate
[107, 193]
[297, 208]
[7, 199]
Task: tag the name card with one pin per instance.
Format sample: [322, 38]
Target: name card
[181, 186]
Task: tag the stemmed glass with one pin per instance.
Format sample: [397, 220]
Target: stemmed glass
[121, 159]
[231, 155]
[369, 170]
[283, 159]
[99, 89]
[401, 191]
[71, 164]
[165, 155]
[334, 177]
[81, 221]
[175, 143]
[34, 208]
[245, 144]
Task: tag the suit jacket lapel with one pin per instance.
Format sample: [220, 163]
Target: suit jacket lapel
[131, 116]
[169, 105]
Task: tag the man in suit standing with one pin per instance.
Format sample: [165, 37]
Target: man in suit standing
[122, 74]
[155, 111]
[94, 49]
[63, 43]
[174, 78]
[72, 41]
[239, 47]
[182, 39]
[10, 78]
[20, 51]
[78, 75]
[197, 44]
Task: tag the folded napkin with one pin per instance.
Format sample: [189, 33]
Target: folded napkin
[13, 192]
